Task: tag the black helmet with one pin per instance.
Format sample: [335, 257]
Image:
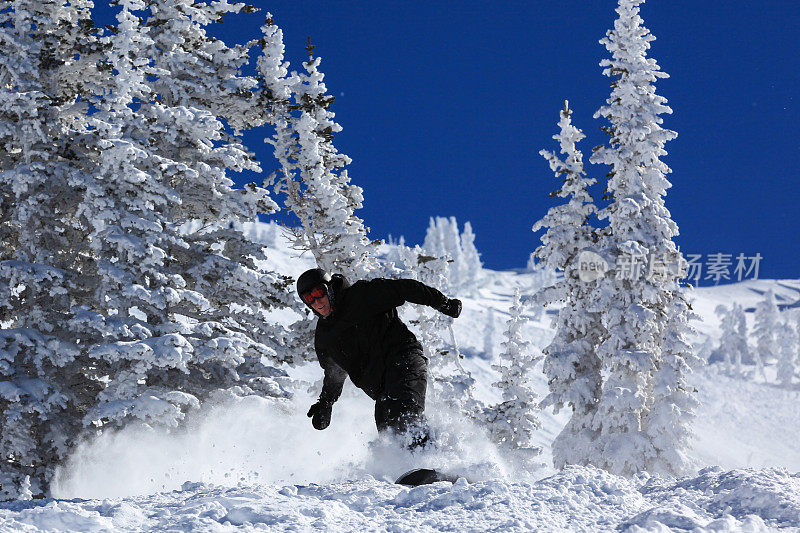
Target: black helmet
[334, 285]
[311, 278]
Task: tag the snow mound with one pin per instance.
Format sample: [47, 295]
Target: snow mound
[576, 499]
[773, 495]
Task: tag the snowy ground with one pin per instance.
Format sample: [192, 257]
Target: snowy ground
[256, 465]
[577, 499]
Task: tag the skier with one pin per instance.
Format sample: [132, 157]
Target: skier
[359, 335]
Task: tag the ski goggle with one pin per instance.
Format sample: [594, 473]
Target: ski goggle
[314, 294]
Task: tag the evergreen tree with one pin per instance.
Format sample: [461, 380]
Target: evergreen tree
[275, 102]
[470, 266]
[669, 419]
[434, 238]
[193, 69]
[441, 240]
[638, 306]
[787, 364]
[312, 175]
[204, 295]
[451, 243]
[767, 322]
[115, 314]
[464, 265]
[44, 147]
[126, 211]
[727, 345]
[733, 341]
[742, 348]
[198, 79]
[513, 421]
[276, 93]
[570, 364]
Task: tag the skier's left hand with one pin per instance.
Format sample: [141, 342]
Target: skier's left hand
[451, 307]
[320, 415]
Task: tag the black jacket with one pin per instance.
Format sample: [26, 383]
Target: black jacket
[364, 332]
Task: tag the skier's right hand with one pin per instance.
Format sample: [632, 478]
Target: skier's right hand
[320, 415]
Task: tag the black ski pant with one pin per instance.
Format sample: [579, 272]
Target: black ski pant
[401, 401]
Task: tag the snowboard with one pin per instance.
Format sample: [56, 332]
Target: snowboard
[424, 476]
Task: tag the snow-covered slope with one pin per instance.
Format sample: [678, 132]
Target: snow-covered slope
[255, 465]
[577, 499]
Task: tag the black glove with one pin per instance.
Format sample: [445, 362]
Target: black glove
[320, 415]
[451, 307]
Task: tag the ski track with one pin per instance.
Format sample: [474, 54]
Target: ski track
[749, 429]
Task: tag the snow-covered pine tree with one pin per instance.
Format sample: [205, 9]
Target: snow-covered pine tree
[743, 353]
[766, 324]
[787, 364]
[513, 421]
[727, 347]
[194, 69]
[441, 240]
[124, 324]
[434, 237]
[464, 264]
[670, 417]
[470, 266]
[451, 242]
[44, 259]
[198, 78]
[185, 313]
[126, 211]
[743, 349]
[275, 95]
[733, 341]
[570, 364]
[637, 305]
[312, 174]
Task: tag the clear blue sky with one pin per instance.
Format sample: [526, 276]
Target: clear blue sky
[445, 106]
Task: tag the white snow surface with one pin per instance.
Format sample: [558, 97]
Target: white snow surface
[256, 465]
